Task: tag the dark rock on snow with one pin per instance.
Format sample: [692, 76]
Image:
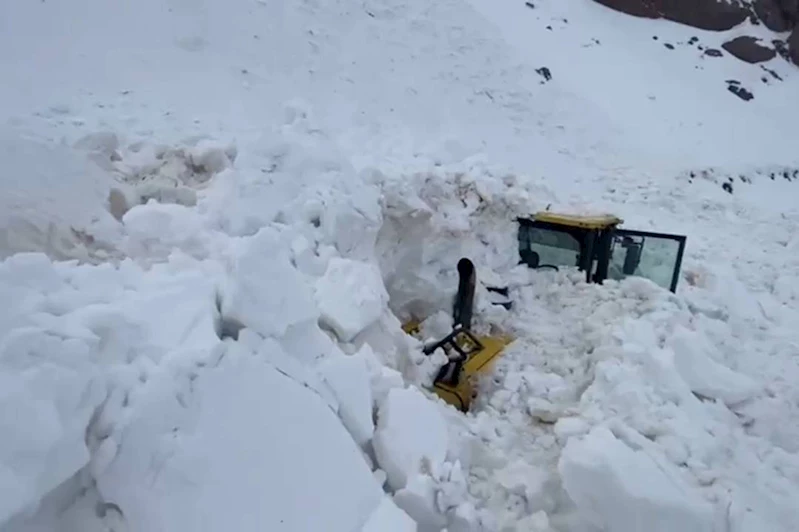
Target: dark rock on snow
[545, 73]
[712, 52]
[715, 15]
[748, 49]
[739, 91]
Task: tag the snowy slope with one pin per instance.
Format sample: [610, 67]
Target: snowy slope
[255, 193]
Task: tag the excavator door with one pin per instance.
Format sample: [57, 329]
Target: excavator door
[655, 256]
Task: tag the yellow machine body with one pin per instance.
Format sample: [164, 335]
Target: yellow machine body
[481, 352]
[479, 363]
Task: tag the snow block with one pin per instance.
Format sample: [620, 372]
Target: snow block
[252, 450]
[625, 490]
[351, 296]
[265, 292]
[159, 227]
[349, 378]
[389, 518]
[704, 375]
[410, 430]
[418, 500]
[49, 389]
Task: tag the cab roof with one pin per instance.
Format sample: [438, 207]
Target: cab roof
[584, 221]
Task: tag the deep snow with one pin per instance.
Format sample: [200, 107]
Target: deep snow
[250, 200]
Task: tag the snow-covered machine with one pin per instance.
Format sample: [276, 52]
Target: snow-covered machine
[600, 248]
[594, 244]
[469, 354]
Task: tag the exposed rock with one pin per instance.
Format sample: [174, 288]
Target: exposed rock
[772, 72]
[714, 15]
[544, 72]
[782, 49]
[712, 52]
[793, 46]
[773, 15]
[748, 49]
[735, 88]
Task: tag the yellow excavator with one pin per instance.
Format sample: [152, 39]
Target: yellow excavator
[594, 244]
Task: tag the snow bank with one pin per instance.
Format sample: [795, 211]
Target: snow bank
[76, 340]
[625, 490]
[243, 451]
[410, 433]
[53, 201]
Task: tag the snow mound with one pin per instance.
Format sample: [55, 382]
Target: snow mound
[53, 202]
[625, 490]
[244, 424]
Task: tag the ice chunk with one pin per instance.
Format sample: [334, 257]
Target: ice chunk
[350, 296]
[704, 375]
[349, 378]
[625, 490]
[389, 518]
[410, 431]
[265, 292]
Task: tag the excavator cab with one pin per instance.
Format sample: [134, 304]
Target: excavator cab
[600, 248]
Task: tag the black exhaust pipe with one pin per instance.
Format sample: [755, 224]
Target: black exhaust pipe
[464, 299]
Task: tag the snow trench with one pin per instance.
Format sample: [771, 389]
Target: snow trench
[241, 355]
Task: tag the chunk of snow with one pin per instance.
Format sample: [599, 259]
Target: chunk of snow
[566, 427]
[159, 227]
[49, 389]
[389, 518]
[52, 201]
[410, 431]
[418, 499]
[264, 291]
[625, 490]
[350, 296]
[530, 482]
[704, 375]
[349, 378]
[212, 157]
[242, 454]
